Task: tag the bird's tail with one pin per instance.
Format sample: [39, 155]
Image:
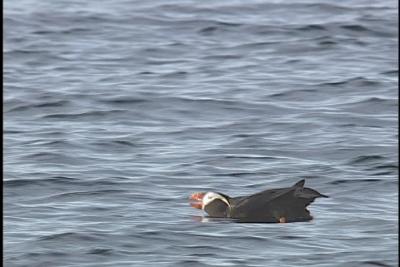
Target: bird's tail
[307, 192]
[300, 183]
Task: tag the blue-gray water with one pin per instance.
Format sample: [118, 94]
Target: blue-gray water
[115, 111]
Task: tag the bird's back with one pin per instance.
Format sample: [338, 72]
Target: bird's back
[274, 204]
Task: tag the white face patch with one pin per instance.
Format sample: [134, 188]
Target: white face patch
[211, 196]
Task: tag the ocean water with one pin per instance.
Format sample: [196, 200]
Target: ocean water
[116, 111]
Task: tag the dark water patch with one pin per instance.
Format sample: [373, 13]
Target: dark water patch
[69, 237]
[208, 30]
[383, 173]
[164, 62]
[312, 27]
[69, 31]
[58, 143]
[254, 45]
[203, 254]
[391, 73]
[52, 104]
[122, 146]
[366, 159]
[101, 251]
[43, 181]
[223, 57]
[194, 263]
[12, 131]
[50, 253]
[194, 247]
[146, 73]
[392, 167]
[354, 27]
[371, 105]
[176, 74]
[55, 104]
[377, 100]
[250, 157]
[26, 52]
[123, 100]
[357, 82]
[325, 7]
[327, 43]
[376, 263]
[292, 237]
[252, 237]
[217, 26]
[234, 174]
[79, 194]
[53, 157]
[338, 182]
[294, 94]
[124, 143]
[83, 115]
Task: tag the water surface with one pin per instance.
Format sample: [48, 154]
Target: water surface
[116, 111]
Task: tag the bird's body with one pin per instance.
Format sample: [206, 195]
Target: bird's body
[269, 206]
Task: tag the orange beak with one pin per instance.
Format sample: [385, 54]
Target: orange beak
[196, 200]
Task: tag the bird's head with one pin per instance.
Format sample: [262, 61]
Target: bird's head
[215, 204]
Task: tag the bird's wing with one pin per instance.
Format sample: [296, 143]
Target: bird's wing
[267, 195]
[269, 203]
[264, 199]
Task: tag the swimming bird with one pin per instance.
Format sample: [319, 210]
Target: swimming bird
[281, 205]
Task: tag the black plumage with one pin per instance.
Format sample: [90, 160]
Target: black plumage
[273, 205]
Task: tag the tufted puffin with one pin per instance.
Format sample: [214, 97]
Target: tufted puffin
[281, 205]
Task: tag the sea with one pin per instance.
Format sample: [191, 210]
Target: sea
[116, 111]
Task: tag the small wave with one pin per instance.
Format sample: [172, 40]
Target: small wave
[291, 237]
[46, 254]
[366, 159]
[383, 173]
[123, 100]
[29, 182]
[55, 104]
[254, 45]
[292, 93]
[390, 72]
[83, 114]
[385, 167]
[208, 30]
[357, 81]
[52, 157]
[223, 57]
[354, 27]
[123, 142]
[203, 254]
[216, 26]
[312, 27]
[192, 263]
[375, 99]
[76, 30]
[164, 62]
[175, 74]
[87, 193]
[338, 182]
[249, 157]
[234, 174]
[12, 131]
[146, 73]
[376, 263]
[327, 43]
[100, 251]
[68, 236]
